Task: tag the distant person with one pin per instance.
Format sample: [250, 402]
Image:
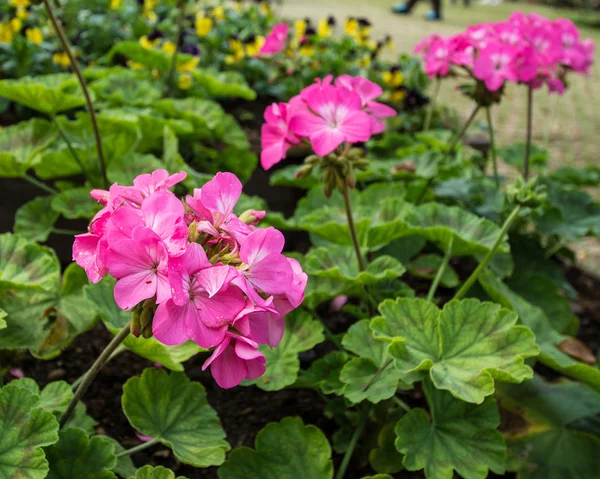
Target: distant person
[434, 14]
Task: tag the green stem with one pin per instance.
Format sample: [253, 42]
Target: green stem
[440, 272]
[401, 403]
[377, 373]
[64, 136]
[140, 447]
[88, 100]
[77, 382]
[493, 146]
[361, 264]
[94, 370]
[436, 91]
[362, 421]
[529, 131]
[62, 231]
[463, 130]
[475, 274]
[39, 184]
[173, 68]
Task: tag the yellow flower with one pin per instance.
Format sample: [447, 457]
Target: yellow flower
[22, 13]
[62, 59]
[19, 3]
[300, 26]
[307, 50]
[393, 77]
[237, 53]
[135, 65]
[398, 95]
[169, 47]
[351, 27]
[147, 43]
[203, 26]
[324, 30]
[150, 15]
[254, 47]
[185, 81]
[189, 65]
[34, 35]
[369, 43]
[219, 12]
[265, 8]
[115, 4]
[365, 62]
[150, 4]
[16, 25]
[6, 33]
[156, 73]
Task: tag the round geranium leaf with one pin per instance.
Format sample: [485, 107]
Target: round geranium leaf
[174, 410]
[26, 428]
[76, 455]
[464, 347]
[35, 219]
[283, 450]
[20, 145]
[149, 472]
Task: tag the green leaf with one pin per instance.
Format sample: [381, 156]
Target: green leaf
[385, 458]
[366, 370]
[459, 436]
[470, 234]
[302, 333]
[2, 316]
[77, 456]
[465, 347]
[427, 266]
[174, 410]
[123, 170]
[549, 447]
[35, 219]
[223, 84]
[100, 297]
[26, 428]
[75, 203]
[283, 450]
[324, 373]
[21, 144]
[149, 57]
[124, 466]
[126, 88]
[48, 94]
[149, 472]
[340, 264]
[174, 163]
[81, 420]
[286, 176]
[515, 153]
[547, 337]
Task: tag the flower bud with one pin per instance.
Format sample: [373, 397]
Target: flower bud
[251, 217]
[304, 170]
[527, 193]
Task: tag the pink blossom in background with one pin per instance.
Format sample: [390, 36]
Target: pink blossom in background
[214, 277]
[495, 65]
[276, 137]
[275, 40]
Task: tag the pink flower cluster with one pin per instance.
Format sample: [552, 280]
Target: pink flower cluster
[215, 278]
[275, 40]
[327, 114]
[527, 49]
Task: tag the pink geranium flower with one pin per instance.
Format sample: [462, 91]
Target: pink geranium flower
[140, 266]
[275, 40]
[335, 117]
[86, 248]
[276, 137]
[203, 303]
[437, 58]
[494, 65]
[235, 359]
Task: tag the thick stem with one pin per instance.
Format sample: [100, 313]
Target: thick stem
[440, 272]
[475, 274]
[94, 370]
[362, 421]
[401, 403]
[377, 373]
[64, 136]
[529, 130]
[361, 263]
[493, 146]
[463, 129]
[140, 447]
[62, 231]
[39, 184]
[88, 100]
[173, 68]
[436, 91]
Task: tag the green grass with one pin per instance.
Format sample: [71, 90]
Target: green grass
[566, 125]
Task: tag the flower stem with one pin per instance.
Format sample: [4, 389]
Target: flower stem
[64, 136]
[529, 131]
[436, 91]
[94, 370]
[493, 146]
[140, 447]
[62, 231]
[39, 184]
[475, 274]
[173, 68]
[401, 403]
[88, 100]
[463, 130]
[377, 373]
[440, 272]
[362, 421]
[361, 264]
